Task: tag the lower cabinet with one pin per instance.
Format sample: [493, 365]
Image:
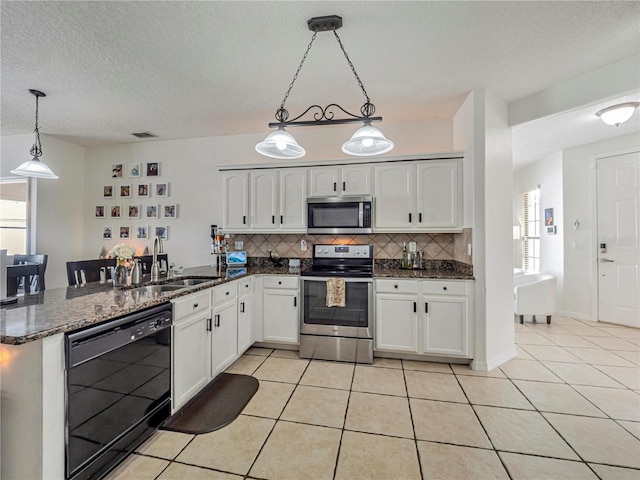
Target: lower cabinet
[280, 306]
[423, 316]
[224, 338]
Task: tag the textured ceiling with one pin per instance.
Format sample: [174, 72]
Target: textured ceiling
[193, 69]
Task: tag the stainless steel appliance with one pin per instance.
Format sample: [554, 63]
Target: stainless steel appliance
[338, 333]
[340, 215]
[118, 380]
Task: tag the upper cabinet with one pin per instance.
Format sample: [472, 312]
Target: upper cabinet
[418, 196]
[235, 212]
[341, 181]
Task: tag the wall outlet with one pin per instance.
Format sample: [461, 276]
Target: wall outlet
[469, 249]
[239, 245]
[303, 245]
[412, 246]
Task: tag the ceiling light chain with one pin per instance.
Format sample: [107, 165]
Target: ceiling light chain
[36, 149]
[353, 69]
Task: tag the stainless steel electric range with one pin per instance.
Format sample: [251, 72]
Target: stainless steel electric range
[336, 332]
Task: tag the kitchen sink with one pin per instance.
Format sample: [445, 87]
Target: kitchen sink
[189, 282]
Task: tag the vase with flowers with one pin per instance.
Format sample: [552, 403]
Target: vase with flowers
[122, 253]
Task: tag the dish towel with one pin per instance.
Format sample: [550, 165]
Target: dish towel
[335, 292]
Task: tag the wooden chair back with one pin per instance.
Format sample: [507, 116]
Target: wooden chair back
[147, 260]
[36, 281]
[84, 271]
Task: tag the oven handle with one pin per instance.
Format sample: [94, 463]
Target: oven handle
[346, 279]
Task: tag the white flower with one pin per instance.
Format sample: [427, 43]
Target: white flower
[122, 251]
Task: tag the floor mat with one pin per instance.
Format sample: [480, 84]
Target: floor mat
[214, 407]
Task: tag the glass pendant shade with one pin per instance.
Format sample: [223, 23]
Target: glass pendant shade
[280, 144]
[34, 168]
[367, 141]
[617, 114]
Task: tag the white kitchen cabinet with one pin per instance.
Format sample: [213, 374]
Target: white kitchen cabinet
[224, 328]
[293, 200]
[235, 212]
[245, 315]
[341, 181]
[280, 305]
[264, 200]
[418, 196]
[396, 322]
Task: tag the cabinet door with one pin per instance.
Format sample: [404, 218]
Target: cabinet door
[280, 322]
[245, 310]
[356, 180]
[395, 197]
[396, 322]
[191, 364]
[446, 325]
[224, 350]
[235, 216]
[439, 205]
[323, 182]
[293, 200]
[264, 203]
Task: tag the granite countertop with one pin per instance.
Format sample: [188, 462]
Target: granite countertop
[65, 309]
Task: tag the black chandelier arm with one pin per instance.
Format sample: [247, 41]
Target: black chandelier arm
[326, 116]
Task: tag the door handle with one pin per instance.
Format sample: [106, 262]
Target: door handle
[244, 219]
[273, 219]
[606, 260]
[409, 218]
[344, 186]
[295, 301]
[242, 307]
[208, 324]
[335, 187]
[281, 218]
[420, 218]
[218, 320]
[415, 307]
[426, 307]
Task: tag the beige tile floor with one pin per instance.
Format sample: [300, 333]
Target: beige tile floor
[567, 407]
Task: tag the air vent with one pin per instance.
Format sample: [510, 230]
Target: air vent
[144, 135]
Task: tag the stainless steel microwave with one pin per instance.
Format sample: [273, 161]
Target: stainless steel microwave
[340, 215]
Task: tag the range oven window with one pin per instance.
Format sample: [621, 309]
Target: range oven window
[355, 313]
[331, 215]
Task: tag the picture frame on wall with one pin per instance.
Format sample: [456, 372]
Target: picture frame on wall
[125, 191]
[162, 232]
[115, 211]
[170, 211]
[134, 211]
[144, 190]
[107, 191]
[99, 211]
[151, 211]
[548, 217]
[142, 232]
[107, 233]
[153, 169]
[134, 170]
[125, 232]
[116, 170]
[162, 189]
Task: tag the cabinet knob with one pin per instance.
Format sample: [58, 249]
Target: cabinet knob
[395, 286]
[195, 305]
[227, 293]
[444, 288]
[279, 283]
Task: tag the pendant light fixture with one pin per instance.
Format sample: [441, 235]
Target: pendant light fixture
[617, 114]
[366, 141]
[35, 167]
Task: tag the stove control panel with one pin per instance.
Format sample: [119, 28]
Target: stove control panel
[343, 251]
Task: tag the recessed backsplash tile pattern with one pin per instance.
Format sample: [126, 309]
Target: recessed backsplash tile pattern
[435, 246]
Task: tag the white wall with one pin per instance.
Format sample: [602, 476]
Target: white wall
[190, 166]
[546, 173]
[59, 203]
[579, 198]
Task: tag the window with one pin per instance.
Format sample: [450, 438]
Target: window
[530, 240]
[13, 216]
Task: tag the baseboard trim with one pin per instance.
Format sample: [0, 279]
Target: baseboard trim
[576, 315]
[494, 363]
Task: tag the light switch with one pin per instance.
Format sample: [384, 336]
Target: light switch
[303, 245]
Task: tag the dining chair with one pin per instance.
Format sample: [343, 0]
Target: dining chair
[147, 260]
[23, 279]
[36, 281]
[84, 271]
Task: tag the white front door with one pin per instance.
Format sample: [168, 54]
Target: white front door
[619, 239]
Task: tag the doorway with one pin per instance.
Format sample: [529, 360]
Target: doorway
[618, 239]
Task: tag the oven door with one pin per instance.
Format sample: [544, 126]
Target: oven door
[355, 319]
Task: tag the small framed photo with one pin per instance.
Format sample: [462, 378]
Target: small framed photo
[144, 189]
[115, 211]
[153, 169]
[162, 189]
[162, 232]
[125, 232]
[107, 191]
[107, 233]
[548, 217]
[99, 211]
[170, 211]
[134, 211]
[125, 191]
[116, 170]
[134, 170]
[151, 211]
[142, 232]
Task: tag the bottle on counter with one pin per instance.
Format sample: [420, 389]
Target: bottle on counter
[405, 257]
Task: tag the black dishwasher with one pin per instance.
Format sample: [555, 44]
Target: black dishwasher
[118, 379]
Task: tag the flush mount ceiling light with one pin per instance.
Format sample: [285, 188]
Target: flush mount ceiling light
[34, 167]
[617, 114]
[366, 141]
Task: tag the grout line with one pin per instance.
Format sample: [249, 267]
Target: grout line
[413, 426]
[344, 422]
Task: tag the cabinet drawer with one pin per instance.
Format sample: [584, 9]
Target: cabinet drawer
[185, 306]
[244, 285]
[281, 282]
[396, 286]
[224, 293]
[443, 287]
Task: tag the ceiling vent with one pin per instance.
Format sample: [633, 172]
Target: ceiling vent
[144, 135]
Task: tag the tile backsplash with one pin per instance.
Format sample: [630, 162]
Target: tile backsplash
[440, 246]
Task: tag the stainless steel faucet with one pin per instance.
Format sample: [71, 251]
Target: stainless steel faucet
[155, 265]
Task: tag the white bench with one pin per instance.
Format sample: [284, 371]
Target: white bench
[534, 294]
